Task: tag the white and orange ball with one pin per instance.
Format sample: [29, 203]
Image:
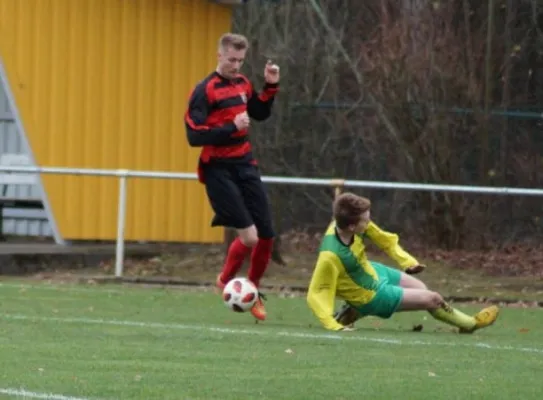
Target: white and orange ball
[240, 294]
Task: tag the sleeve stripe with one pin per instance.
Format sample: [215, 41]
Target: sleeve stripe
[193, 126]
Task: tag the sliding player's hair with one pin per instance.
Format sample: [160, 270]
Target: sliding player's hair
[348, 209]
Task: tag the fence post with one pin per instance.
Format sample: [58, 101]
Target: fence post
[121, 217]
[338, 185]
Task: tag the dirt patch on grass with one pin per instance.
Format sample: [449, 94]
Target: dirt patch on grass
[507, 275]
[511, 273]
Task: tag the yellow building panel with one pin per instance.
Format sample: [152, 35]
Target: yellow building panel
[104, 84]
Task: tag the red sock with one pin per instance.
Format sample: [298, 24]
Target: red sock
[237, 252]
[260, 258]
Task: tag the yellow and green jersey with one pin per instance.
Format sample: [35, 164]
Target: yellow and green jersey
[344, 271]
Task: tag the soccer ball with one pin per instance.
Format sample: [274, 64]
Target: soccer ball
[240, 294]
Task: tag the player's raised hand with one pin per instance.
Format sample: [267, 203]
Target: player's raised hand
[271, 72]
[242, 121]
[415, 270]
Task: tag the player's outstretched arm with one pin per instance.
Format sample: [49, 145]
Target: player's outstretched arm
[259, 105]
[198, 133]
[322, 291]
[389, 243]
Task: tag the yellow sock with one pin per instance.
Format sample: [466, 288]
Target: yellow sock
[452, 316]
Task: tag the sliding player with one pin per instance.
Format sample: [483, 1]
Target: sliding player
[370, 288]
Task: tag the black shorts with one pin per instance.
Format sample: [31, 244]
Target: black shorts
[238, 197]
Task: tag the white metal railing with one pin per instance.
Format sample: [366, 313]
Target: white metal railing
[124, 174]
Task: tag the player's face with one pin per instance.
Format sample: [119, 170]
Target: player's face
[364, 221]
[230, 61]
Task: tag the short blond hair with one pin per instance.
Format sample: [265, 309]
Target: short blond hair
[234, 40]
[348, 209]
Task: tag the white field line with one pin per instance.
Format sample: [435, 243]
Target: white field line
[35, 395]
[287, 334]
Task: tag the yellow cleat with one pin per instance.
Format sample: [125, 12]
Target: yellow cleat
[485, 317]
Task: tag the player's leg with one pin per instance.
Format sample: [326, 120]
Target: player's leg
[257, 203]
[433, 302]
[410, 282]
[419, 297]
[348, 315]
[256, 200]
[390, 299]
[393, 276]
[444, 312]
[238, 251]
[227, 202]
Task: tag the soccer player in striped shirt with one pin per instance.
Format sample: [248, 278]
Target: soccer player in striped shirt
[370, 288]
[219, 114]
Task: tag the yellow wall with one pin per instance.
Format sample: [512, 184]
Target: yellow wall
[104, 84]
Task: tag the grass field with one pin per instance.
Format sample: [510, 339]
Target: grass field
[124, 342]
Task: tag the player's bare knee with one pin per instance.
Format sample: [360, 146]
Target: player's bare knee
[248, 236]
[436, 300]
[249, 241]
[432, 300]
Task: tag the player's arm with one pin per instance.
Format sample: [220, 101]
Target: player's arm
[198, 133]
[389, 243]
[322, 291]
[259, 105]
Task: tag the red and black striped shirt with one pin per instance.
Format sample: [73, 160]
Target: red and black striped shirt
[209, 120]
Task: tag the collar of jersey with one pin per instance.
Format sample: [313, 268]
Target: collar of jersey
[341, 241]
